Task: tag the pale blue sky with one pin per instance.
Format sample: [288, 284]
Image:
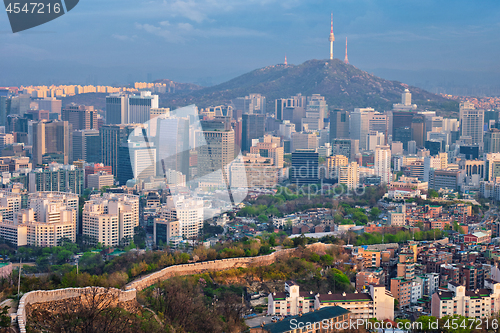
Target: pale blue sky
[114, 41]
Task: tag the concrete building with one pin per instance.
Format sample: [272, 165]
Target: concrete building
[110, 219]
[339, 124]
[252, 104]
[374, 139]
[304, 141]
[398, 218]
[188, 211]
[360, 125]
[446, 179]
[253, 171]
[383, 163]
[215, 149]
[99, 180]
[456, 300]
[472, 122]
[320, 321]
[167, 232]
[271, 150]
[57, 178]
[378, 303]
[349, 175]
[81, 117]
[50, 217]
[316, 111]
[130, 109]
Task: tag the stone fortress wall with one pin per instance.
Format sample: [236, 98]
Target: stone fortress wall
[129, 294]
[41, 296]
[206, 266]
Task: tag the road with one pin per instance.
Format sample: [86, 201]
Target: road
[256, 321]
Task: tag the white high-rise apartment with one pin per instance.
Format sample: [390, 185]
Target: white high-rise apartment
[471, 122]
[51, 217]
[349, 175]
[110, 219]
[374, 139]
[383, 163]
[360, 125]
[9, 204]
[431, 162]
[188, 211]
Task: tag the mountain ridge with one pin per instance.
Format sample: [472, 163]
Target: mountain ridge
[342, 85]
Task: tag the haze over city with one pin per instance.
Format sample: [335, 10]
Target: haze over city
[429, 43]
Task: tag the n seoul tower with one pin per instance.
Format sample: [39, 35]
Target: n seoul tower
[332, 39]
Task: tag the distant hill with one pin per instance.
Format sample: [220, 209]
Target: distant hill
[343, 85]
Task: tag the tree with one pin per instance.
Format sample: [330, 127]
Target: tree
[4, 317]
[433, 193]
[374, 213]
[96, 310]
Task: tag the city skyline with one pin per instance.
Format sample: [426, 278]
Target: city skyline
[64, 51]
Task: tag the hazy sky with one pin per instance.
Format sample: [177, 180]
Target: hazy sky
[116, 41]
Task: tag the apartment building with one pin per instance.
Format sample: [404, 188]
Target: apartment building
[110, 219]
[456, 300]
[376, 303]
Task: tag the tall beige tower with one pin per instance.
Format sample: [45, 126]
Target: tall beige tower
[332, 39]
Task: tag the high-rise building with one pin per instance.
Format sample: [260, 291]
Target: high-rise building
[412, 147]
[252, 104]
[112, 138]
[347, 147]
[139, 107]
[304, 169]
[52, 141]
[349, 175]
[81, 117]
[316, 111]
[215, 151]
[383, 163]
[374, 139]
[304, 141]
[402, 134]
[339, 124]
[418, 130]
[117, 109]
[472, 122]
[110, 220]
[492, 141]
[57, 178]
[269, 149]
[50, 218]
[87, 146]
[291, 109]
[253, 127]
[188, 211]
[360, 125]
[287, 129]
[137, 160]
[253, 171]
[50, 104]
[175, 154]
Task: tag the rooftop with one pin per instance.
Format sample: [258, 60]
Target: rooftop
[310, 317]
